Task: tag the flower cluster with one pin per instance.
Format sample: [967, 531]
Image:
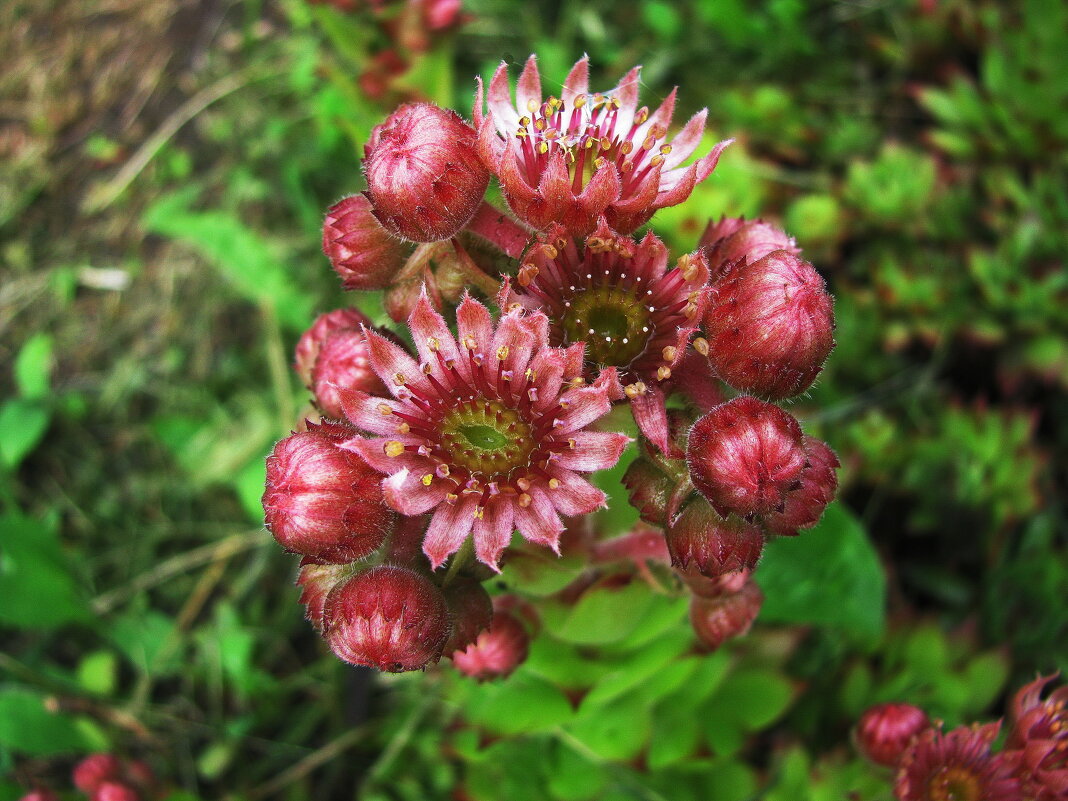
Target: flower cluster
[467, 436]
[106, 777]
[932, 765]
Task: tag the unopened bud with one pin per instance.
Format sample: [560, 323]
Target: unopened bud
[94, 770]
[390, 618]
[316, 582]
[770, 326]
[343, 363]
[324, 502]
[732, 239]
[885, 731]
[745, 456]
[701, 541]
[424, 177]
[363, 253]
[804, 505]
[471, 610]
[716, 620]
[114, 791]
[311, 341]
[497, 651]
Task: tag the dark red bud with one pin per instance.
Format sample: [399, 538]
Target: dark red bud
[390, 618]
[770, 325]
[363, 253]
[424, 177]
[94, 770]
[701, 541]
[716, 620]
[322, 501]
[885, 731]
[471, 610]
[497, 652]
[316, 581]
[649, 490]
[745, 456]
[804, 505]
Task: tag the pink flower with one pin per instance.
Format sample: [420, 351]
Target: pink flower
[573, 158]
[490, 430]
[1039, 738]
[956, 766]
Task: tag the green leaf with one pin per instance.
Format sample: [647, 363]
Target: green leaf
[33, 367]
[755, 697]
[985, 676]
[22, 425]
[144, 639]
[830, 575]
[675, 734]
[521, 704]
[572, 777]
[618, 731]
[97, 672]
[602, 615]
[27, 726]
[34, 567]
[635, 670]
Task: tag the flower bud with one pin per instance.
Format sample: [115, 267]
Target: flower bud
[94, 770]
[716, 620]
[363, 253]
[315, 582]
[804, 505]
[497, 652]
[114, 791]
[311, 341]
[649, 489]
[343, 363]
[323, 501]
[40, 794]
[424, 177]
[770, 325]
[884, 731]
[718, 587]
[390, 618]
[732, 239]
[471, 610]
[702, 542]
[745, 456]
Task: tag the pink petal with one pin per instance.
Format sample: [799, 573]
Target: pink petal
[514, 333]
[406, 492]
[529, 88]
[575, 495]
[687, 140]
[499, 100]
[594, 450]
[490, 145]
[473, 321]
[650, 413]
[577, 81]
[373, 452]
[539, 523]
[584, 405]
[523, 199]
[651, 258]
[662, 116]
[389, 360]
[548, 369]
[430, 331]
[639, 200]
[493, 531]
[573, 359]
[677, 189]
[626, 92]
[365, 411]
[555, 187]
[603, 190]
[448, 529]
[478, 104]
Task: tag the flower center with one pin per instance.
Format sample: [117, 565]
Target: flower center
[486, 437]
[953, 784]
[613, 323]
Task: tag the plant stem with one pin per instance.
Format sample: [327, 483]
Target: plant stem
[473, 273]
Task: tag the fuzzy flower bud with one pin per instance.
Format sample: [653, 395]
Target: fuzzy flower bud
[424, 177]
[804, 506]
[363, 253]
[390, 618]
[114, 791]
[342, 364]
[649, 490]
[745, 456]
[315, 582]
[770, 325]
[885, 731]
[732, 239]
[471, 611]
[94, 770]
[497, 652]
[323, 501]
[716, 620]
[311, 341]
[700, 541]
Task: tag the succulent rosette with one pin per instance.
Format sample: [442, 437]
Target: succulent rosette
[585, 154]
[489, 430]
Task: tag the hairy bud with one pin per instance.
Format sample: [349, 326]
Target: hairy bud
[363, 253]
[311, 341]
[471, 610]
[94, 770]
[716, 620]
[322, 501]
[701, 541]
[315, 582]
[770, 325]
[343, 364]
[390, 618]
[885, 731]
[745, 456]
[734, 238]
[424, 177]
[804, 505]
[498, 650]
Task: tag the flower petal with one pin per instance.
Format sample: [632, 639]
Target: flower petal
[366, 412]
[539, 523]
[626, 92]
[473, 320]
[686, 141]
[493, 531]
[577, 81]
[448, 529]
[373, 451]
[594, 450]
[583, 406]
[676, 186]
[389, 360]
[499, 100]
[650, 413]
[405, 492]
[431, 333]
[528, 89]
[575, 495]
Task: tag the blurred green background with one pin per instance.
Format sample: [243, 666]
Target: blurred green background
[166, 168]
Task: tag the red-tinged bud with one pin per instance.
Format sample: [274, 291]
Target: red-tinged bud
[322, 501]
[316, 582]
[114, 791]
[718, 587]
[885, 731]
[471, 610]
[41, 794]
[732, 239]
[770, 325]
[424, 177]
[363, 253]
[311, 341]
[497, 652]
[716, 620]
[702, 542]
[343, 363]
[804, 506]
[745, 456]
[94, 770]
[442, 14]
[390, 618]
[649, 489]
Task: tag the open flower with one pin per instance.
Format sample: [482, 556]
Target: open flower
[573, 158]
[956, 766]
[1039, 737]
[489, 431]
